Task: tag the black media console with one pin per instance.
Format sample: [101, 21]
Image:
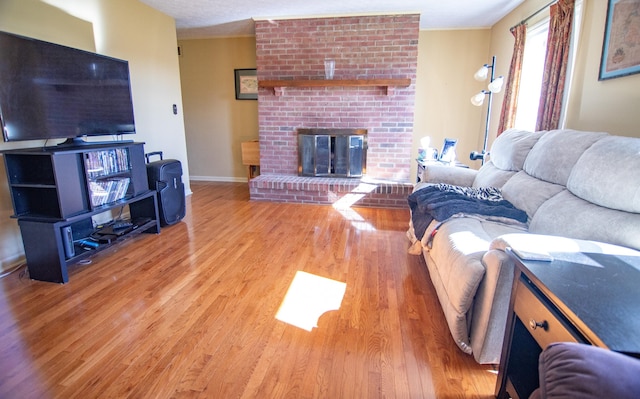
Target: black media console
[56, 192]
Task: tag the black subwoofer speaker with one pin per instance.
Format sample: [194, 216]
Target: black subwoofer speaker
[165, 177]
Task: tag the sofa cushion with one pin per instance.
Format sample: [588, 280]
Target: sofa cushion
[569, 216]
[608, 174]
[491, 176]
[510, 149]
[528, 193]
[561, 248]
[552, 158]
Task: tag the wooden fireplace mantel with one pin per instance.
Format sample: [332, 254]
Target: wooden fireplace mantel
[389, 84]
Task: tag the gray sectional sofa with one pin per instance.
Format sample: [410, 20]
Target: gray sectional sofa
[573, 184]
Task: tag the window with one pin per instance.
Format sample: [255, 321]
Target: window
[533, 69]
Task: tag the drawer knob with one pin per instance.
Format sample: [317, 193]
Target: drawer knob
[538, 324]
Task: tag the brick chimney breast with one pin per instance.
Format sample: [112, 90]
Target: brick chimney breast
[363, 47]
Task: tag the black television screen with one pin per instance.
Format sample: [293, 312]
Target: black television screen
[49, 91]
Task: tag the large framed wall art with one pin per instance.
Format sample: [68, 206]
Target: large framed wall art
[621, 47]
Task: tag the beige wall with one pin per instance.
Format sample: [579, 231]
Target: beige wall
[216, 123]
[447, 61]
[611, 105]
[124, 29]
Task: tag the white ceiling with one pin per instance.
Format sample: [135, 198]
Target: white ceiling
[196, 19]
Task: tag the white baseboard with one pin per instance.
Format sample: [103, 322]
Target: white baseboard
[11, 263]
[224, 179]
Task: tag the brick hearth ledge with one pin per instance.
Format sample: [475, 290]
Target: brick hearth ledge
[366, 192]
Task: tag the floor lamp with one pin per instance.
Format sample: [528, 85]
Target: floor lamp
[495, 85]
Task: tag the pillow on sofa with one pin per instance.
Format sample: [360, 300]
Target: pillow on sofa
[571, 370]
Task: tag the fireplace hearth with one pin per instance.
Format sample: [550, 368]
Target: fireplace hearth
[332, 152]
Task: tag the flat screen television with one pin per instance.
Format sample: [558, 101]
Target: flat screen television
[49, 91]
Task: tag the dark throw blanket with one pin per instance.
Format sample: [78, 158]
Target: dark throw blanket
[441, 201]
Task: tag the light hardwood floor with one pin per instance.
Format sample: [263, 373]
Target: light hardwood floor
[191, 312]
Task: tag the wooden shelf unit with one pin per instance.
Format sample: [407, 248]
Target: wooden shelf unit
[54, 190]
[389, 84]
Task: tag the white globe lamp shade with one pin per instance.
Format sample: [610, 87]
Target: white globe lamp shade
[496, 85]
[478, 99]
[482, 73]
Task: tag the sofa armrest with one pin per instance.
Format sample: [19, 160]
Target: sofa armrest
[491, 307]
[435, 173]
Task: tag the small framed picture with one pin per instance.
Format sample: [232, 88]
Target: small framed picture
[246, 84]
[621, 47]
[448, 153]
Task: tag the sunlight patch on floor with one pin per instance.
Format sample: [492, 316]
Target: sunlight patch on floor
[308, 297]
[356, 194]
[356, 219]
[343, 205]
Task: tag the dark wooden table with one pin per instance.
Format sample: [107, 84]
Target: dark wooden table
[580, 296]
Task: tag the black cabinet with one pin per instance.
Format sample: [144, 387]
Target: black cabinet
[45, 184]
[56, 192]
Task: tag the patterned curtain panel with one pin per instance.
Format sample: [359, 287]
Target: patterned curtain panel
[555, 70]
[512, 87]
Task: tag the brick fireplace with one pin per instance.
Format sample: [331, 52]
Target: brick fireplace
[366, 49]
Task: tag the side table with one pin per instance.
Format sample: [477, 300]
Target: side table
[584, 297]
[251, 157]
